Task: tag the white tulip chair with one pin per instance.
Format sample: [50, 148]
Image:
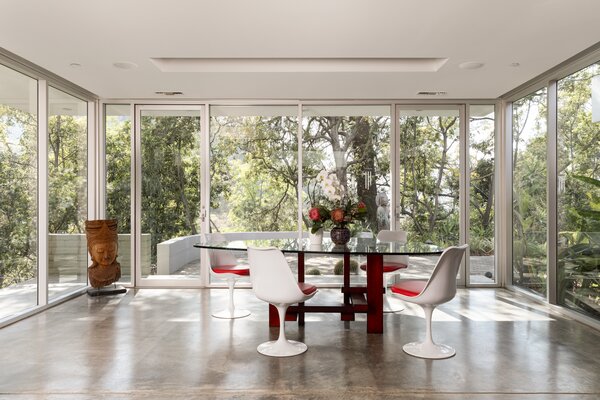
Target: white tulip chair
[224, 265]
[429, 293]
[273, 282]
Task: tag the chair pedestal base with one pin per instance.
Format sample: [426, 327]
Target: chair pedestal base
[282, 348]
[226, 314]
[428, 350]
[391, 305]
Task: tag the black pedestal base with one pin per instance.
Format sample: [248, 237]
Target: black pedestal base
[106, 291]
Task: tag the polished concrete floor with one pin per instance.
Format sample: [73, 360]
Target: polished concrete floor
[163, 344]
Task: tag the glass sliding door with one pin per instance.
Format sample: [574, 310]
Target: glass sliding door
[67, 193]
[18, 192]
[427, 201]
[529, 202]
[169, 187]
[481, 195]
[117, 131]
[578, 219]
[254, 172]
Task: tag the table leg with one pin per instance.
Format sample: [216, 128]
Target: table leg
[346, 288]
[375, 293]
[346, 277]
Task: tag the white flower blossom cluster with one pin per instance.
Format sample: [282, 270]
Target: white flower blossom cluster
[332, 189]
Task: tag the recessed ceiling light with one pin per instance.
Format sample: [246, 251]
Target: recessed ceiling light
[515, 64]
[75, 65]
[124, 65]
[471, 65]
[432, 93]
[170, 93]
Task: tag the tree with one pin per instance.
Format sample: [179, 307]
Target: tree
[18, 195]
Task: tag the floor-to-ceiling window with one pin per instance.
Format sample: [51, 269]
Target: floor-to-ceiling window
[578, 219]
[18, 192]
[117, 130]
[350, 144]
[482, 188]
[428, 189]
[529, 203]
[170, 192]
[67, 192]
[254, 171]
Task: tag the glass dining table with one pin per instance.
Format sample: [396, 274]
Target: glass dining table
[357, 298]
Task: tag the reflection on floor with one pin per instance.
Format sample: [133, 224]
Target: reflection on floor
[160, 343]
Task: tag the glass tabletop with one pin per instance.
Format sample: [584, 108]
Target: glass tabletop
[356, 246]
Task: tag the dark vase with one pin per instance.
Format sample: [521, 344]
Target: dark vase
[340, 236]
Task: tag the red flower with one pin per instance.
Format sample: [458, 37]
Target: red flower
[361, 206]
[314, 214]
[337, 215]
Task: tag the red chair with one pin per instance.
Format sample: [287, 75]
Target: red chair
[391, 264]
[438, 289]
[224, 265]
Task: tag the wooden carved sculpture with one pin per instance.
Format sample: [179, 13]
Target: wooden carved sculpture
[103, 247]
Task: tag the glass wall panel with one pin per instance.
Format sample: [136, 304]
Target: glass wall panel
[529, 192]
[18, 192]
[117, 125]
[351, 144]
[254, 169]
[67, 192]
[170, 225]
[429, 180]
[481, 194]
[579, 191]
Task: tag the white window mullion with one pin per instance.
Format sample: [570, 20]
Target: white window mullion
[205, 190]
[395, 168]
[506, 188]
[136, 196]
[463, 190]
[299, 183]
[552, 178]
[42, 168]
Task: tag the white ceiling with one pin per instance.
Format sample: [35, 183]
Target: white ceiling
[537, 34]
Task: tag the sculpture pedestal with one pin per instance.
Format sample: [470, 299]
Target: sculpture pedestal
[106, 291]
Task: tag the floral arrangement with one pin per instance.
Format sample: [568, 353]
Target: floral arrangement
[335, 206]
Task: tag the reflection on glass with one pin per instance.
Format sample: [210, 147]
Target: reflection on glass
[529, 192]
[481, 203]
[18, 192]
[170, 193]
[579, 193]
[118, 179]
[67, 192]
[352, 143]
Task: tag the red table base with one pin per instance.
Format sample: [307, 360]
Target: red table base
[355, 300]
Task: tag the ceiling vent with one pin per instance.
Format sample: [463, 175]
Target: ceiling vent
[170, 93]
[438, 93]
